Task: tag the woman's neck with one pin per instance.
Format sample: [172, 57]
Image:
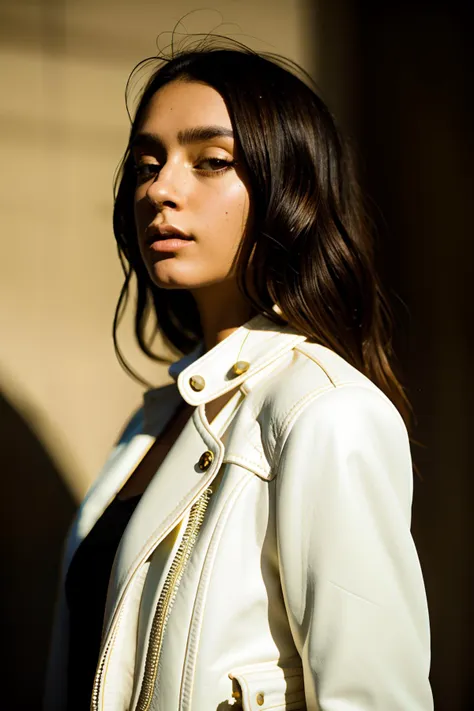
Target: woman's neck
[222, 310]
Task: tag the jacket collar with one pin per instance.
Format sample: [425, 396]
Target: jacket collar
[257, 343]
[176, 368]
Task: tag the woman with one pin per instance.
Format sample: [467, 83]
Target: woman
[247, 543]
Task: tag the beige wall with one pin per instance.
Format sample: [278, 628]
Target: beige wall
[64, 66]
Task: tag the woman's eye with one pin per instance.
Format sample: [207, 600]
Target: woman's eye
[146, 170]
[214, 165]
[209, 166]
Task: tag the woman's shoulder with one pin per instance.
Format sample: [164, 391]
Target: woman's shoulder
[318, 380]
[325, 412]
[322, 367]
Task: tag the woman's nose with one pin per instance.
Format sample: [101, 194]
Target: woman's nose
[167, 187]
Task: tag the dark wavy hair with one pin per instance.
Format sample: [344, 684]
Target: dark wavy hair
[310, 246]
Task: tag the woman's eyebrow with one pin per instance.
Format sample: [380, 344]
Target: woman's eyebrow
[185, 137]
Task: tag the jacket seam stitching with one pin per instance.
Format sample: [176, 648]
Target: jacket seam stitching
[240, 460]
[289, 422]
[311, 357]
[297, 406]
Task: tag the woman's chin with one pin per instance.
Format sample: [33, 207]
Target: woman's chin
[169, 274]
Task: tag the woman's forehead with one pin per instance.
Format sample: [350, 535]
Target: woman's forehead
[183, 104]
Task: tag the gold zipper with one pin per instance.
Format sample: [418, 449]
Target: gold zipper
[100, 670]
[98, 677]
[167, 597]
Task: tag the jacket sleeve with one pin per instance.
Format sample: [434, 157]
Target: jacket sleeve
[350, 573]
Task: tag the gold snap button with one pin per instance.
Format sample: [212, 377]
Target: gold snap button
[197, 382]
[240, 367]
[260, 699]
[205, 460]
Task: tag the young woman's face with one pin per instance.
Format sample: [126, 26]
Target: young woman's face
[184, 153]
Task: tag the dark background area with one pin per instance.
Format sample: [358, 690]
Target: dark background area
[401, 75]
[35, 511]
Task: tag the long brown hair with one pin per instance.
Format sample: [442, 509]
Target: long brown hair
[311, 245]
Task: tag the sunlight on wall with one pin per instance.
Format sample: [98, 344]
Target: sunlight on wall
[64, 127]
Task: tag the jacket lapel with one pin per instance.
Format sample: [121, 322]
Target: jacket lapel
[177, 484]
[144, 428]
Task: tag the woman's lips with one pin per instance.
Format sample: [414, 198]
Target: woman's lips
[166, 238]
[170, 244]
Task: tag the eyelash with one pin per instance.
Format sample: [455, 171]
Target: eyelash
[226, 165]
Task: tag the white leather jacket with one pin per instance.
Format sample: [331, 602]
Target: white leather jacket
[273, 572]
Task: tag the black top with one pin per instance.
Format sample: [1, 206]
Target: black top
[86, 586]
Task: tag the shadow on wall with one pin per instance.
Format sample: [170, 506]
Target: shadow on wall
[402, 72]
[36, 510]
[416, 133]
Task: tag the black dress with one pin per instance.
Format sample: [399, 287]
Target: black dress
[86, 586]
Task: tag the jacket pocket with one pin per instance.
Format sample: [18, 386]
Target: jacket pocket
[267, 686]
